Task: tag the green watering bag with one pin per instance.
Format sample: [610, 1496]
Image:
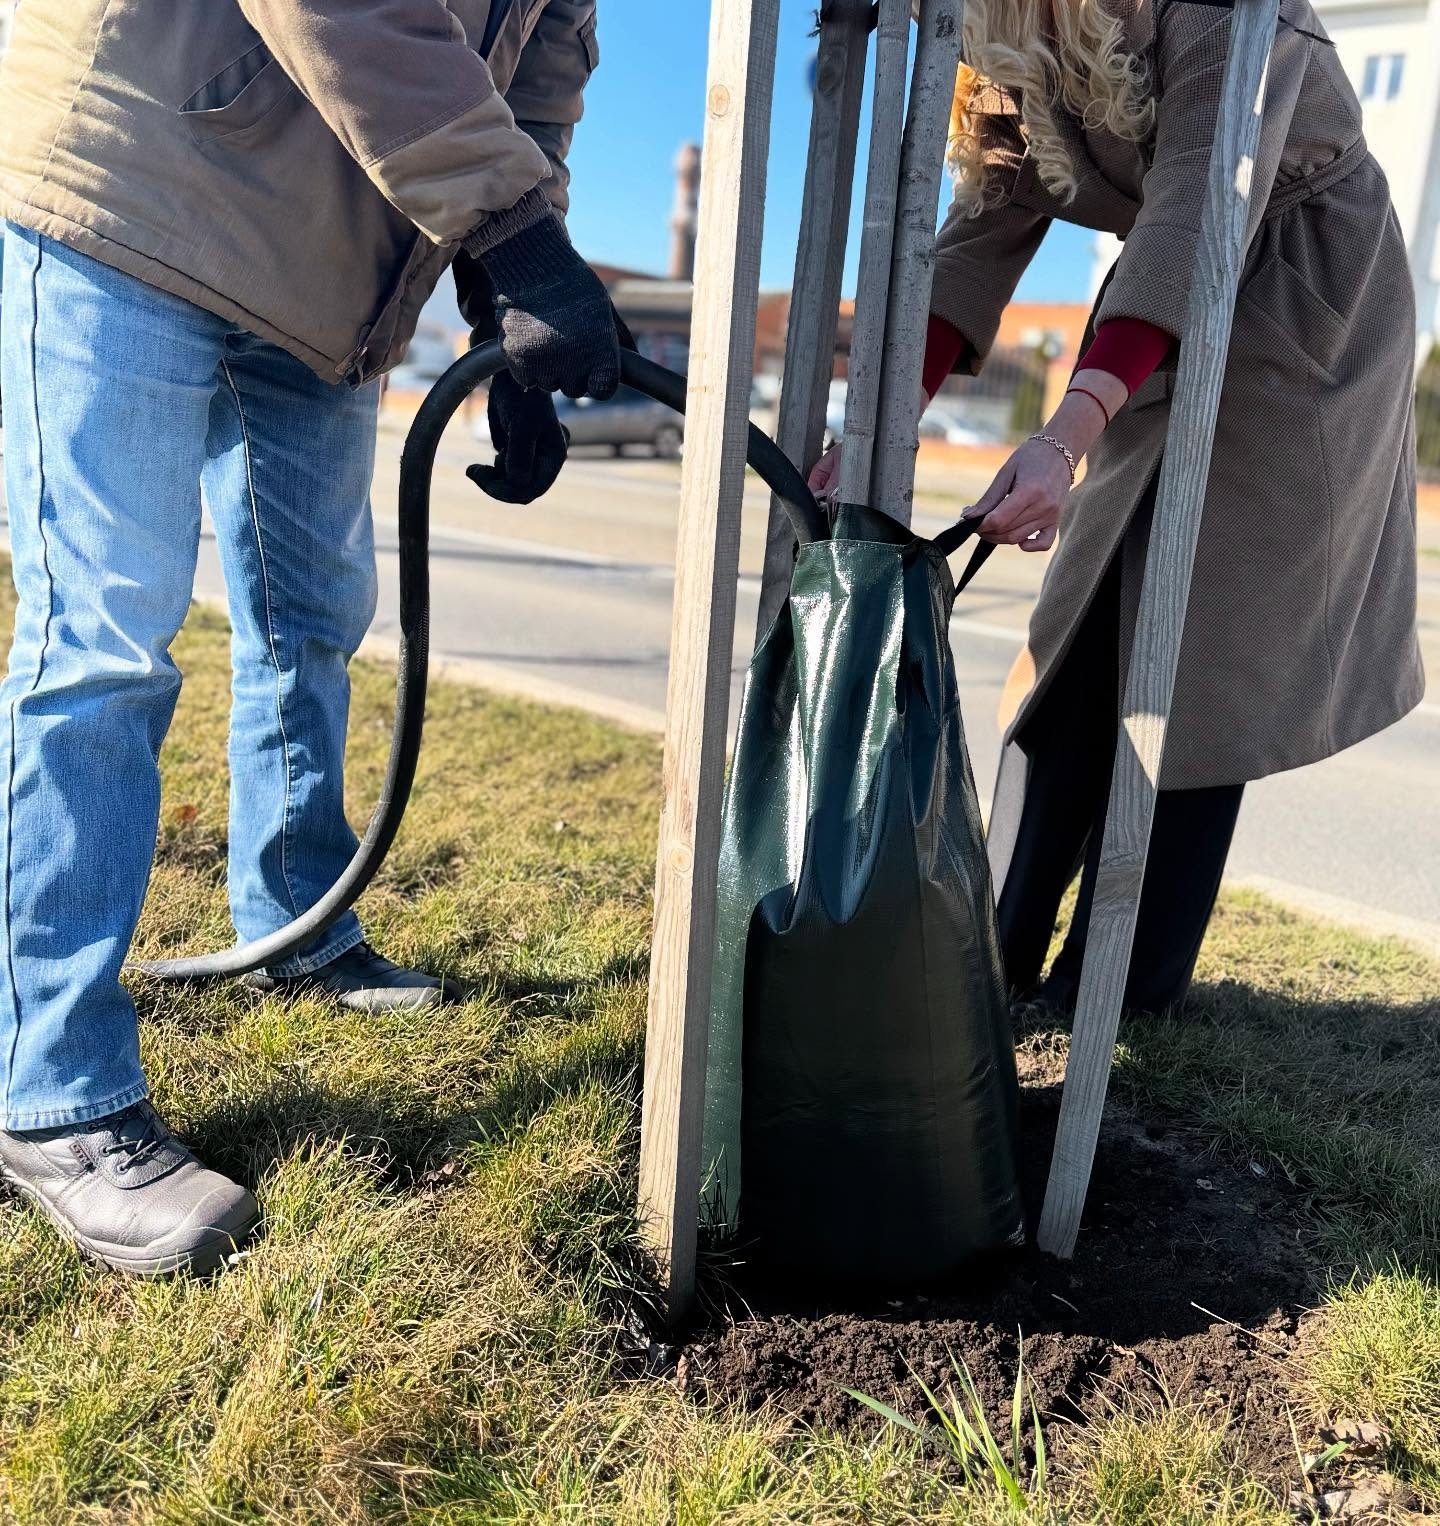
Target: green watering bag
[861, 1103]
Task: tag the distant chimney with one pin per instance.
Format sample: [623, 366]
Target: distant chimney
[685, 216]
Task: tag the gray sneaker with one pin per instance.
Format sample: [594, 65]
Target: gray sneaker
[129, 1194]
[366, 982]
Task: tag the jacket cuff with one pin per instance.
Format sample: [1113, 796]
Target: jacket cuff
[495, 228]
[957, 303]
[1152, 279]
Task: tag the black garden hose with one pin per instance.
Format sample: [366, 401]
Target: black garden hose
[417, 466]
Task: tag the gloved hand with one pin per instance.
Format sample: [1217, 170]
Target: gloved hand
[554, 315]
[530, 443]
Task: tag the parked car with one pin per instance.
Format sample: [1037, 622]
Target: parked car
[628, 418]
[941, 423]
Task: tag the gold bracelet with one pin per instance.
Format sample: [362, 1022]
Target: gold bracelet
[1049, 439]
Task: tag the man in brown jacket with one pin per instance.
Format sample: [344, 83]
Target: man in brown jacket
[222, 221]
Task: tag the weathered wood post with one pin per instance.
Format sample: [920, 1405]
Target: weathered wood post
[819, 269]
[1161, 621]
[740, 85]
[912, 266]
[877, 242]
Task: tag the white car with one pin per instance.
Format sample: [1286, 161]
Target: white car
[943, 423]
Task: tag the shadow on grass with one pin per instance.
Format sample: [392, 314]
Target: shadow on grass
[395, 1128]
[517, 990]
[1341, 1097]
[406, 1134]
[578, 1224]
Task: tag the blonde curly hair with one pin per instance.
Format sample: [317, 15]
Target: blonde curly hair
[1059, 56]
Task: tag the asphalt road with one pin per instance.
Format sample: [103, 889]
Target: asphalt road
[571, 600]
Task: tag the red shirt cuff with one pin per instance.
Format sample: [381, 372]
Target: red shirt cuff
[944, 345]
[1128, 348]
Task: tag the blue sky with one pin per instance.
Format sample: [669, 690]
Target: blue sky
[648, 97]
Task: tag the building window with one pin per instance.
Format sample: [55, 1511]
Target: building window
[1384, 77]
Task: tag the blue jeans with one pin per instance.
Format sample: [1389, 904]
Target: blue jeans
[123, 407]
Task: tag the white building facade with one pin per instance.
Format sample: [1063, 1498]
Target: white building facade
[1391, 51]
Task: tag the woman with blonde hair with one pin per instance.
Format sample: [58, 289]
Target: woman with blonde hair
[1300, 638]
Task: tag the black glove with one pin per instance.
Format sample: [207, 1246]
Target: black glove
[477, 304]
[556, 324]
[530, 443]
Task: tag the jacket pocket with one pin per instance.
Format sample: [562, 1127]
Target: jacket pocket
[1282, 298]
[239, 96]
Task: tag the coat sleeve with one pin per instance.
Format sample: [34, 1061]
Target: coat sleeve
[411, 100]
[547, 93]
[1153, 274]
[979, 260]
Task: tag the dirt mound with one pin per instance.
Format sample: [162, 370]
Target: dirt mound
[1189, 1275]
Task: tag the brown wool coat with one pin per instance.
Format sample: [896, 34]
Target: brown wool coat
[304, 168]
[1300, 638]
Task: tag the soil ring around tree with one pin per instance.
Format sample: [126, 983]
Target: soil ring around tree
[1191, 1284]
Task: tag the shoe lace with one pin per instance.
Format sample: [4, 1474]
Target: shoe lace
[139, 1137]
[365, 958]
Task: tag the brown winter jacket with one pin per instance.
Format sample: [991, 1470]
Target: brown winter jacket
[302, 167]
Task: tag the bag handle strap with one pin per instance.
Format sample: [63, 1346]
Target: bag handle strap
[948, 542]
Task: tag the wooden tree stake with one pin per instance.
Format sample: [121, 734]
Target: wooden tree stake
[819, 269]
[727, 279]
[867, 343]
[912, 269]
[1181, 501]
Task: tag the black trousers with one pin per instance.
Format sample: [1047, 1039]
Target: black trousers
[1070, 747]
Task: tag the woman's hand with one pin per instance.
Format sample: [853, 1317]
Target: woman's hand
[1036, 494]
[824, 476]
[1022, 507]
[1024, 503]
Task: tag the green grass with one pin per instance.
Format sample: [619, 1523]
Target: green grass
[1377, 1352]
[958, 1424]
[427, 1329]
[1149, 1463]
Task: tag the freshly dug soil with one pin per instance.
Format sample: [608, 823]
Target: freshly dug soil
[1190, 1279]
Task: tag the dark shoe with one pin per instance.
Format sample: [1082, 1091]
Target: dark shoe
[1059, 992]
[129, 1194]
[1050, 1007]
[364, 981]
